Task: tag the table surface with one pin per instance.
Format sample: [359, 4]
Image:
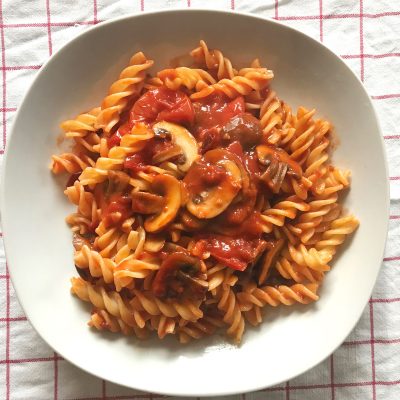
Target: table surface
[366, 34]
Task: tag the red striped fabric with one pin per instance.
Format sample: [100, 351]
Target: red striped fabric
[365, 366]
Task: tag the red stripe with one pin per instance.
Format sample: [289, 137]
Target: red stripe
[7, 328]
[232, 4]
[339, 16]
[386, 96]
[141, 5]
[46, 24]
[123, 397]
[395, 258]
[392, 137]
[188, 3]
[276, 9]
[391, 300]
[15, 319]
[49, 27]
[394, 217]
[3, 64]
[371, 323]
[287, 390]
[378, 341]
[327, 386]
[7, 109]
[4, 276]
[383, 55]
[20, 67]
[55, 376]
[361, 42]
[394, 178]
[95, 11]
[30, 360]
[321, 32]
[332, 378]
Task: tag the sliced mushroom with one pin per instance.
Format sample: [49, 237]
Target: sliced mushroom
[146, 203]
[279, 164]
[212, 184]
[266, 153]
[154, 242]
[182, 138]
[190, 222]
[167, 154]
[170, 189]
[245, 128]
[269, 257]
[118, 181]
[78, 241]
[180, 274]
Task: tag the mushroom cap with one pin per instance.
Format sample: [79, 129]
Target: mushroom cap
[170, 188]
[183, 139]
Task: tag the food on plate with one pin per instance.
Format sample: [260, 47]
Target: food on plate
[201, 198]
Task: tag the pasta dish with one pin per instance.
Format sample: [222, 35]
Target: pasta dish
[201, 199]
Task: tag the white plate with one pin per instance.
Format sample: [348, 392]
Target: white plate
[38, 242]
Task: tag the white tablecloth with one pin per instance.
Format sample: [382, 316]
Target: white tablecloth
[366, 33]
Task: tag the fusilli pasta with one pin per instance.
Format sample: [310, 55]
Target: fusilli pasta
[201, 198]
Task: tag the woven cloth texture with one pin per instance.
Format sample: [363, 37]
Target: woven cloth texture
[366, 34]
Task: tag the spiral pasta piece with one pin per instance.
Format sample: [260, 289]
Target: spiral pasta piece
[107, 240]
[196, 330]
[71, 163]
[162, 325]
[240, 85]
[102, 320]
[99, 267]
[112, 302]
[311, 257]
[214, 60]
[299, 273]
[127, 86]
[308, 223]
[282, 210]
[87, 205]
[186, 309]
[82, 125]
[189, 78]
[276, 295]
[130, 144]
[232, 314]
[336, 234]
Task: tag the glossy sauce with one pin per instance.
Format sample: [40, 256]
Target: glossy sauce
[117, 204]
[211, 114]
[235, 253]
[159, 104]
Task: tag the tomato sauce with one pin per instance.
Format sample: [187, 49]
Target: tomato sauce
[235, 253]
[211, 114]
[235, 236]
[117, 204]
[160, 104]
[202, 175]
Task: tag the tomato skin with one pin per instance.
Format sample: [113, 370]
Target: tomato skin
[212, 113]
[137, 162]
[160, 104]
[115, 139]
[117, 204]
[163, 104]
[235, 253]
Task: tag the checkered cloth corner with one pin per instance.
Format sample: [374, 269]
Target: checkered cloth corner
[366, 34]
